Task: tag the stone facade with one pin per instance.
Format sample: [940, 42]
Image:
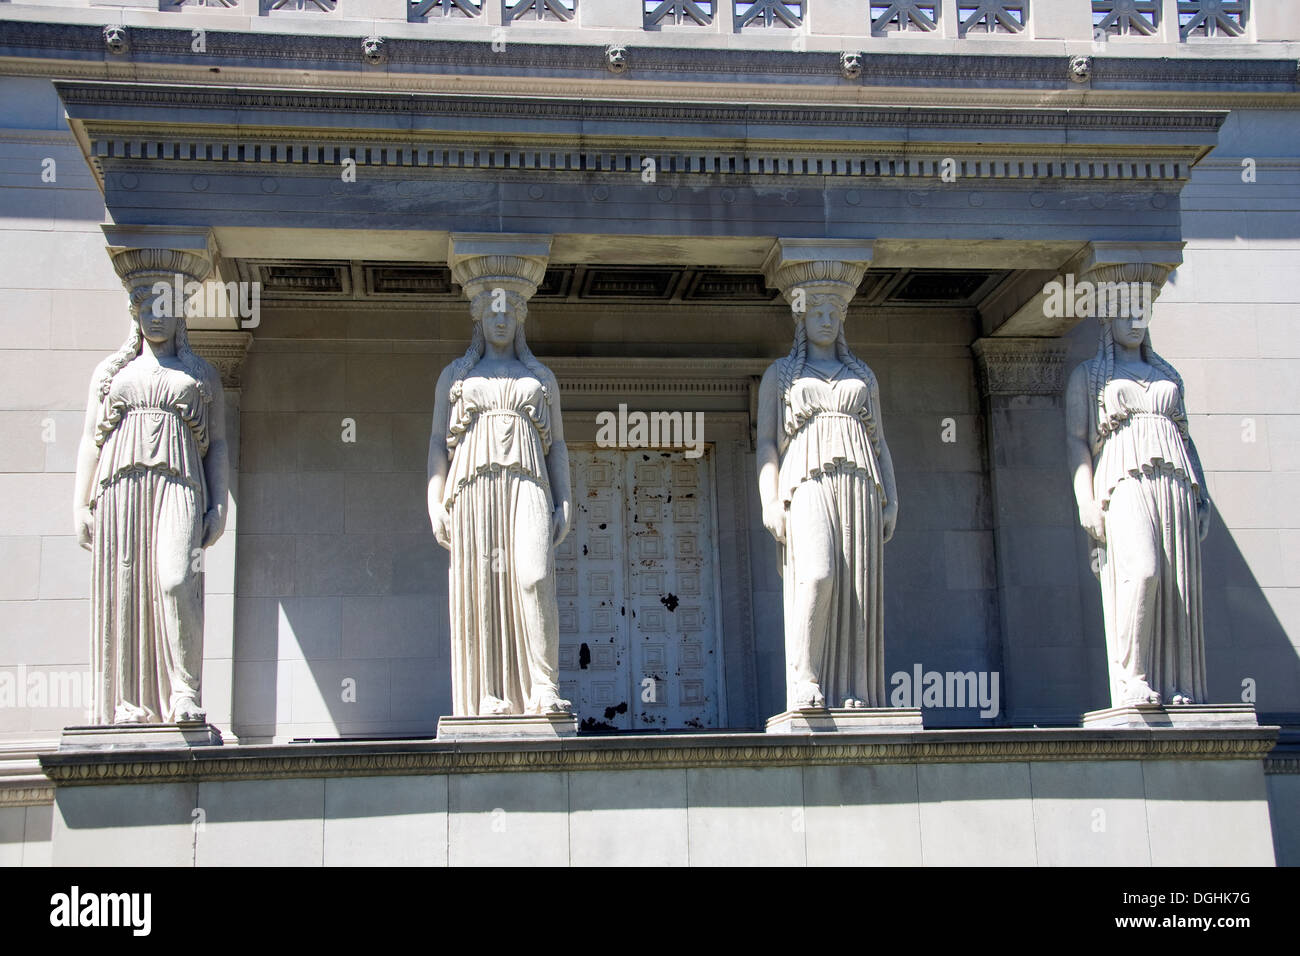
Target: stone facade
[975, 173]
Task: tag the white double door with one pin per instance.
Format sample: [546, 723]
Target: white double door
[637, 590]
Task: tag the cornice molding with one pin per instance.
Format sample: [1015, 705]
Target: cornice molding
[642, 753]
[132, 126]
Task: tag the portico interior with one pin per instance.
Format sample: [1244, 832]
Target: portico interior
[660, 224]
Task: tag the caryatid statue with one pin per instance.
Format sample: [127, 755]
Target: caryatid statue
[826, 481]
[1142, 496]
[499, 498]
[150, 495]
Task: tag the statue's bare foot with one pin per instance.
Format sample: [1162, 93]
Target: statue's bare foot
[130, 714]
[189, 712]
[1181, 699]
[493, 707]
[807, 695]
[550, 702]
[853, 703]
[1139, 692]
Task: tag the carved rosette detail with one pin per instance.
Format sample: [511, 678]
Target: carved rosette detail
[1020, 366]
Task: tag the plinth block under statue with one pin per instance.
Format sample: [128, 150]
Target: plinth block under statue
[826, 481]
[150, 495]
[499, 501]
[1142, 497]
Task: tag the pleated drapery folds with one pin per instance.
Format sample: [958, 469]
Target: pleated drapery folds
[147, 587]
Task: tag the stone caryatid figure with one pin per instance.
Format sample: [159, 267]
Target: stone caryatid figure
[150, 495]
[1141, 495]
[499, 498]
[826, 481]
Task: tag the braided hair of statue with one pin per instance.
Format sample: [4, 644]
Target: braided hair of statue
[478, 345]
[1102, 371]
[792, 367]
[131, 348]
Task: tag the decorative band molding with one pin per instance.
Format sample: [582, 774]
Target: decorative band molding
[1020, 366]
[1282, 763]
[628, 158]
[749, 750]
[225, 351]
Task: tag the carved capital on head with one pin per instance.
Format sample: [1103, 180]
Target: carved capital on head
[817, 266]
[1020, 366]
[482, 262]
[141, 269]
[1132, 262]
[224, 351]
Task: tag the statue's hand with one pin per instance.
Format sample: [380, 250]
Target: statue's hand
[214, 526]
[774, 520]
[560, 522]
[890, 518]
[441, 522]
[1093, 520]
[1203, 518]
[85, 527]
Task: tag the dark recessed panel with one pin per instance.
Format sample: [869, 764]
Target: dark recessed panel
[409, 280]
[628, 283]
[293, 279]
[555, 284]
[939, 286]
[728, 287]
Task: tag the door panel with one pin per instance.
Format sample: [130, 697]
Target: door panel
[639, 646]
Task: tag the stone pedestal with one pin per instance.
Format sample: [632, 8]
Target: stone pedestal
[846, 720]
[508, 727]
[137, 736]
[1190, 716]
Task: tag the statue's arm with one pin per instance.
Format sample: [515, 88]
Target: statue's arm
[87, 463]
[1078, 447]
[768, 451]
[557, 468]
[439, 463]
[216, 465]
[886, 462]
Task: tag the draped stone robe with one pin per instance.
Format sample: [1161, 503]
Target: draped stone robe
[498, 495]
[150, 495]
[1145, 483]
[830, 482]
